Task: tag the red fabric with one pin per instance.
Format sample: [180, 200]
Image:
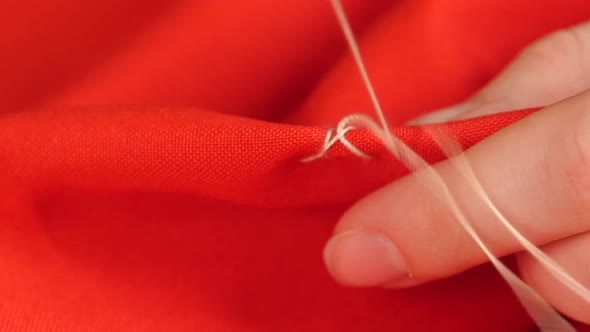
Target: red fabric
[150, 158]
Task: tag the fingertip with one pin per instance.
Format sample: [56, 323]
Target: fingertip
[361, 258]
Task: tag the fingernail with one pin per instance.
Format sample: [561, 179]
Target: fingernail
[364, 259]
[444, 115]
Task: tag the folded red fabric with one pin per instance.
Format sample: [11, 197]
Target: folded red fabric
[150, 158]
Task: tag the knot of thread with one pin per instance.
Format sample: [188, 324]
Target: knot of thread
[339, 136]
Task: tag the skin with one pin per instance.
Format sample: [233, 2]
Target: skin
[541, 183]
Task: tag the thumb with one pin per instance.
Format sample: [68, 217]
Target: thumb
[402, 235]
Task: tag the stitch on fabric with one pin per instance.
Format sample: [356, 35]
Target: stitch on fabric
[341, 130]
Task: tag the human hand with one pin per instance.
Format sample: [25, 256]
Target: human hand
[536, 171]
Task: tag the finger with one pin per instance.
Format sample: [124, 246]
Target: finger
[536, 171]
[551, 69]
[573, 254]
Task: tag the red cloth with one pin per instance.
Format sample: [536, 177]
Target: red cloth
[149, 158]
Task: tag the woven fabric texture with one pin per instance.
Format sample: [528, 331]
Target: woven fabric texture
[150, 158]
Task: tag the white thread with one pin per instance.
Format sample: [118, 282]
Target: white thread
[451, 148]
[356, 53]
[330, 141]
[546, 318]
